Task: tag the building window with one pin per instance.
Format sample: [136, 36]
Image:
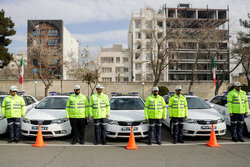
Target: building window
[107, 79]
[125, 59]
[137, 23]
[118, 60]
[138, 77]
[41, 41]
[125, 69]
[42, 32]
[137, 55]
[148, 45]
[117, 69]
[148, 56]
[106, 70]
[148, 66]
[53, 42]
[138, 66]
[34, 33]
[35, 62]
[138, 46]
[138, 35]
[53, 33]
[160, 24]
[148, 35]
[126, 79]
[117, 79]
[107, 60]
[149, 24]
[149, 77]
[159, 35]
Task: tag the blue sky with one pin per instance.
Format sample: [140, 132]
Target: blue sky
[100, 22]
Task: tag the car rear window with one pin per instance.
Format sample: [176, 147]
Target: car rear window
[126, 104]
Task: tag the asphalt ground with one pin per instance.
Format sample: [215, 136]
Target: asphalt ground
[59, 152]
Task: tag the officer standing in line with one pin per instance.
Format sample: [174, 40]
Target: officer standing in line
[237, 104]
[178, 111]
[99, 111]
[155, 111]
[77, 112]
[13, 108]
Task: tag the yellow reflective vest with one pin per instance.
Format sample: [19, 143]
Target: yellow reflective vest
[77, 106]
[13, 107]
[237, 102]
[99, 106]
[155, 108]
[177, 106]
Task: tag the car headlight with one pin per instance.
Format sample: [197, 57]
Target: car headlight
[144, 122]
[191, 121]
[221, 120]
[25, 120]
[112, 122]
[59, 121]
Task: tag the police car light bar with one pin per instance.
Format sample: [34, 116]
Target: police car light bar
[116, 94]
[53, 93]
[133, 93]
[191, 93]
[20, 93]
[225, 93]
[3, 93]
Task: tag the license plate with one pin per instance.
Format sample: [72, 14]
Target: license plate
[36, 128]
[128, 129]
[208, 127]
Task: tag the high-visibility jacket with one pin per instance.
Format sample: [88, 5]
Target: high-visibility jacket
[155, 107]
[13, 107]
[77, 106]
[237, 102]
[99, 106]
[177, 106]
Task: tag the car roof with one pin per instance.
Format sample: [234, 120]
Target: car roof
[125, 97]
[56, 96]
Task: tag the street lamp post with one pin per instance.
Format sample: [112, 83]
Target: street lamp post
[142, 90]
[35, 88]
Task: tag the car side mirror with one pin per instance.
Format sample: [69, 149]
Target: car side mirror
[211, 105]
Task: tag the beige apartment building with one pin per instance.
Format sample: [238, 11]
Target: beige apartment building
[115, 64]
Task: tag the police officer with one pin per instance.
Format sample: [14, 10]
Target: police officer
[13, 108]
[238, 108]
[99, 111]
[178, 111]
[155, 111]
[77, 112]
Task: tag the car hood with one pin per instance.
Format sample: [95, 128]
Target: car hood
[204, 114]
[127, 115]
[45, 114]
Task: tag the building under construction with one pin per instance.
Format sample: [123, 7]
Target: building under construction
[191, 37]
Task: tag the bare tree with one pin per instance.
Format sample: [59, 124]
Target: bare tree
[242, 47]
[45, 53]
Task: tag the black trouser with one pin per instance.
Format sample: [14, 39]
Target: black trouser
[78, 127]
[14, 125]
[100, 132]
[152, 124]
[237, 121]
[178, 127]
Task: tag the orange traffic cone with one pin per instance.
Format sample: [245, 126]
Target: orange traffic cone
[131, 143]
[213, 142]
[39, 138]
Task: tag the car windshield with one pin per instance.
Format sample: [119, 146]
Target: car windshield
[197, 103]
[126, 104]
[1, 100]
[53, 103]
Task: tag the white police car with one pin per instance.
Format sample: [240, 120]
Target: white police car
[51, 114]
[220, 104]
[126, 111]
[200, 118]
[30, 102]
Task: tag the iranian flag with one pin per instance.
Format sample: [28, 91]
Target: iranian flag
[21, 72]
[213, 69]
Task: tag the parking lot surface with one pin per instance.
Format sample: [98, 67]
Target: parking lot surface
[59, 152]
